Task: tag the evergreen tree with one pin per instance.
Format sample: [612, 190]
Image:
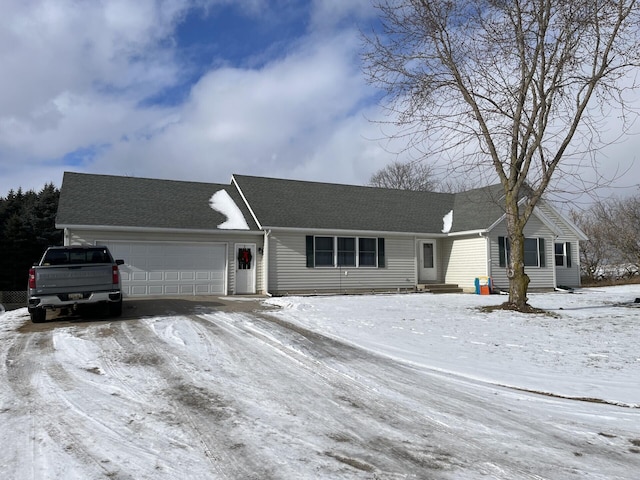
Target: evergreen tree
[27, 228]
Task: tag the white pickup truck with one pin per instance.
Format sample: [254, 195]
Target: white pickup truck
[67, 277]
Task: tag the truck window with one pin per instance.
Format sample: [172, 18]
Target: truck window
[76, 256]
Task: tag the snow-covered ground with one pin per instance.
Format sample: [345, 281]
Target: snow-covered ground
[350, 387]
[589, 348]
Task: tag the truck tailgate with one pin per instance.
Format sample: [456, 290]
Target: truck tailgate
[66, 279]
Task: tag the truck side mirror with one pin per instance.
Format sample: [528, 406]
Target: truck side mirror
[119, 262]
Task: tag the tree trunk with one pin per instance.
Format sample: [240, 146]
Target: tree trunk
[518, 279]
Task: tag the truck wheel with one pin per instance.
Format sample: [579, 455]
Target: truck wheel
[38, 315]
[115, 308]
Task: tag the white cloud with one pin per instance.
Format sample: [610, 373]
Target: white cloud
[81, 73]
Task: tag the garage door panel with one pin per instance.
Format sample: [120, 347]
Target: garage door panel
[190, 276]
[155, 268]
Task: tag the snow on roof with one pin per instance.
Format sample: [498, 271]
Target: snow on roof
[447, 222]
[221, 202]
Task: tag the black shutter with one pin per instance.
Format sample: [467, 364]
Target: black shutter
[502, 252]
[381, 253]
[543, 260]
[310, 262]
[568, 251]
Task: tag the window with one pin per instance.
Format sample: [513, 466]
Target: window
[324, 251]
[534, 255]
[367, 252]
[344, 252]
[427, 255]
[563, 254]
[531, 252]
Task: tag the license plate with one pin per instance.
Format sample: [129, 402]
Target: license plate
[75, 296]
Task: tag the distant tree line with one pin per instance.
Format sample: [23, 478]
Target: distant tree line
[613, 249]
[27, 228]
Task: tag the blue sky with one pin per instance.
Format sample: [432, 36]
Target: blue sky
[191, 90]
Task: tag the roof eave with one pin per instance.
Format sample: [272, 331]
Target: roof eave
[332, 231]
[105, 228]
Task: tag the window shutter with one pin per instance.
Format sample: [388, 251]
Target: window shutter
[381, 263]
[543, 260]
[568, 252]
[310, 263]
[502, 252]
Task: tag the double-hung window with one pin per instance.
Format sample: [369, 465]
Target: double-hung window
[346, 251]
[534, 255]
[329, 251]
[367, 252]
[563, 254]
[324, 251]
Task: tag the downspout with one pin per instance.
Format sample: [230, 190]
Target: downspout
[553, 263]
[487, 245]
[265, 262]
[65, 240]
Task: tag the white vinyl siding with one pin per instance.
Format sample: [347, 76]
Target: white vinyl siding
[565, 276]
[540, 277]
[289, 274]
[464, 260]
[90, 237]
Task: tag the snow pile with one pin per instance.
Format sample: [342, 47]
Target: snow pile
[447, 222]
[221, 202]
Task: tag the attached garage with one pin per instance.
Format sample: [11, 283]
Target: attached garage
[171, 268]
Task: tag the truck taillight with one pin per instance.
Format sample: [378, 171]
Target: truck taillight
[115, 275]
[32, 278]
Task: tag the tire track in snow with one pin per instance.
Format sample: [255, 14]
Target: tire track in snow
[36, 380]
[446, 410]
[209, 414]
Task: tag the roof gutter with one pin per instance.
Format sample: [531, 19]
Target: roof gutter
[115, 228]
[334, 231]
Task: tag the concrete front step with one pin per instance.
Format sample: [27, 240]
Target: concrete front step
[438, 288]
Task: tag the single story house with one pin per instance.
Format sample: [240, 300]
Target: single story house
[275, 236]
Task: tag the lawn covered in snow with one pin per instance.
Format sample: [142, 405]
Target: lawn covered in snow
[587, 347]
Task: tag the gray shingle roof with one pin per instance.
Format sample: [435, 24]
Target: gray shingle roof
[105, 200]
[313, 205]
[478, 209]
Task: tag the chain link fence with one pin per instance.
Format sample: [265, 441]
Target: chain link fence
[13, 300]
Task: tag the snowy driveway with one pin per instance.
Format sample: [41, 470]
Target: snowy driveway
[249, 393]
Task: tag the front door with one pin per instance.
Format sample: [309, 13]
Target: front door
[427, 261]
[245, 268]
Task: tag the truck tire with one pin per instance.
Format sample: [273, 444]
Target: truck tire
[115, 308]
[38, 315]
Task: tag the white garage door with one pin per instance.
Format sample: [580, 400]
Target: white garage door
[158, 268]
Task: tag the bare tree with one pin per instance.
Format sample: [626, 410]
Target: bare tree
[514, 87]
[619, 222]
[414, 175]
[405, 176]
[596, 252]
